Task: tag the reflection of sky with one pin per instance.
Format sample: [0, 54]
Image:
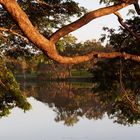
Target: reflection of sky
[93, 30]
[39, 124]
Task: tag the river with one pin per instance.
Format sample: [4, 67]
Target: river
[67, 111]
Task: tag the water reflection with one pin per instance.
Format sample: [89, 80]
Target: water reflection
[72, 101]
[72, 104]
[10, 95]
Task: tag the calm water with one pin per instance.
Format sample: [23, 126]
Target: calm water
[66, 111]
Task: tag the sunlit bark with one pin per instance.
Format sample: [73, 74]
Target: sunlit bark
[48, 45]
[86, 19]
[120, 19]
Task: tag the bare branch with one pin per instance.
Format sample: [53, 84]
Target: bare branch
[14, 33]
[41, 2]
[137, 8]
[124, 55]
[93, 55]
[3, 37]
[120, 19]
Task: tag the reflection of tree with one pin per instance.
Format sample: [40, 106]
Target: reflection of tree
[10, 95]
[118, 83]
[119, 78]
[71, 101]
[126, 110]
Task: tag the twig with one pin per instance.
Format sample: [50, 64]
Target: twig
[15, 33]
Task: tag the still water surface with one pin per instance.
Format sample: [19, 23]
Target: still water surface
[63, 111]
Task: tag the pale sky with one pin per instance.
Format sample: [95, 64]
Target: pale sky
[93, 30]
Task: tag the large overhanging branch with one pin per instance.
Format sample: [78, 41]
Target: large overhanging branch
[85, 19]
[49, 47]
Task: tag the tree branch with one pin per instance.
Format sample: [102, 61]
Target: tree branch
[14, 33]
[3, 37]
[86, 19]
[136, 4]
[41, 2]
[120, 19]
[48, 46]
[93, 55]
[137, 8]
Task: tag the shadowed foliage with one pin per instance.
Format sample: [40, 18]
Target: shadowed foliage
[10, 94]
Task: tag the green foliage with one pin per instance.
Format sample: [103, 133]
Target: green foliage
[74, 48]
[118, 79]
[40, 58]
[110, 1]
[10, 94]
[65, 42]
[44, 17]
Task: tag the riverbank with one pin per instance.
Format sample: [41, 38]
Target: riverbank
[36, 78]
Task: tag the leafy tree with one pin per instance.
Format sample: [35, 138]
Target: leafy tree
[42, 23]
[118, 76]
[44, 17]
[59, 12]
[10, 94]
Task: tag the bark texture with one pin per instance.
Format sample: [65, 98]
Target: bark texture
[48, 45]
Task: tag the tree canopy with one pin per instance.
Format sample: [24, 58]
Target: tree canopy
[42, 23]
[10, 94]
[29, 25]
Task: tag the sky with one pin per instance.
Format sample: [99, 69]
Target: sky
[39, 124]
[93, 30]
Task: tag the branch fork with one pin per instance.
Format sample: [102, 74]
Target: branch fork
[48, 45]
